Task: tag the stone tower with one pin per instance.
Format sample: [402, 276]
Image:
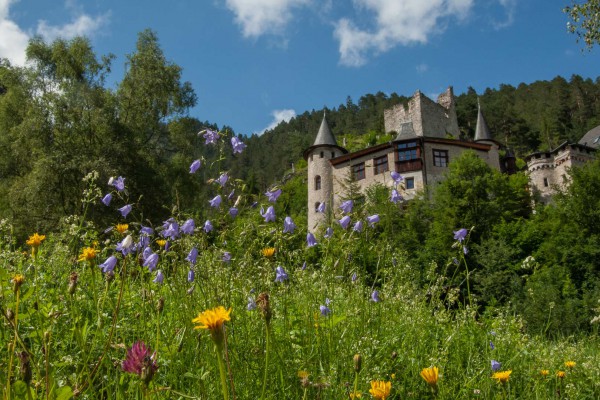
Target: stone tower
[320, 173]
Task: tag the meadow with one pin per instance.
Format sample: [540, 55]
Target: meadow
[248, 303]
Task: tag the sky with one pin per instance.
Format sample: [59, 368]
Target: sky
[253, 63]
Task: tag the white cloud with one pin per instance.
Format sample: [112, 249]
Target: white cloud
[279, 116]
[14, 39]
[510, 7]
[422, 68]
[397, 22]
[259, 17]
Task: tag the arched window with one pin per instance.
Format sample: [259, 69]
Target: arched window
[322, 154]
[318, 182]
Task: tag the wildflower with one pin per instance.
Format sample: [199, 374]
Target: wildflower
[262, 301]
[380, 389]
[118, 183]
[35, 240]
[146, 253]
[328, 233]
[230, 195]
[146, 230]
[125, 210]
[151, 262]
[191, 276]
[106, 199]
[344, 222]
[213, 320]
[465, 250]
[496, 365]
[268, 252]
[237, 144]
[88, 254]
[502, 376]
[140, 361]
[354, 277]
[430, 375]
[192, 255]
[492, 347]
[375, 296]
[325, 311]
[126, 245]
[121, 228]
[355, 395]
[160, 277]
[346, 206]
[170, 229]
[310, 240]
[208, 226]
[460, 234]
[216, 201]
[396, 198]
[161, 242]
[560, 374]
[372, 220]
[251, 304]
[273, 195]
[269, 215]
[288, 225]
[396, 177]
[109, 264]
[321, 207]
[233, 211]
[195, 166]
[358, 226]
[223, 179]
[280, 274]
[544, 372]
[303, 376]
[211, 136]
[570, 364]
[226, 256]
[188, 227]
[303, 266]
[18, 280]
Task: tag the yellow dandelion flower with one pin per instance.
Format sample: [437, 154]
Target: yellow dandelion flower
[560, 374]
[121, 228]
[268, 252]
[570, 364]
[430, 375]
[380, 389]
[544, 372]
[355, 395]
[212, 319]
[35, 240]
[161, 242]
[303, 374]
[502, 376]
[18, 280]
[393, 376]
[88, 254]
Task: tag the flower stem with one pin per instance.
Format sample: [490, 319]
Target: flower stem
[222, 372]
[13, 346]
[267, 346]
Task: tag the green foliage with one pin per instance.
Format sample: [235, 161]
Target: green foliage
[585, 21]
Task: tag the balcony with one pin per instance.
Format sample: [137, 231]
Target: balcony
[410, 165]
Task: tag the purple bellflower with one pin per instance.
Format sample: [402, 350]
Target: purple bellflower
[107, 199]
[346, 206]
[251, 304]
[208, 226]
[303, 266]
[273, 195]
[226, 256]
[109, 264]
[492, 347]
[237, 144]
[223, 179]
[496, 365]
[211, 136]
[230, 195]
[310, 240]
[328, 233]
[126, 245]
[325, 311]
[280, 274]
[288, 225]
[195, 166]
[151, 262]
[172, 229]
[188, 227]
[118, 183]
[372, 220]
[396, 197]
[460, 234]
[125, 210]
[358, 226]
[146, 230]
[375, 296]
[396, 177]
[321, 207]
[191, 275]
[233, 211]
[192, 255]
[269, 215]
[354, 277]
[146, 253]
[160, 277]
[344, 222]
[216, 201]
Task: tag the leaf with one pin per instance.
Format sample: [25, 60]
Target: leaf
[64, 393]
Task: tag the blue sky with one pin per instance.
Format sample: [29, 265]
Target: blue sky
[254, 62]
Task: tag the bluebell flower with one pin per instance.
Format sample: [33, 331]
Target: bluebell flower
[496, 365]
[321, 207]
[230, 195]
[144, 241]
[126, 209]
[375, 296]
[303, 266]
[396, 198]
[273, 195]
[460, 234]
[465, 250]
[492, 347]
[109, 264]
[146, 253]
[192, 255]
[191, 276]
[171, 231]
[216, 201]
[327, 301]
[118, 183]
[288, 225]
[195, 166]
[237, 144]
[208, 226]
[151, 262]
[251, 304]
[211, 136]
[223, 179]
[358, 226]
[346, 206]
[354, 277]
[233, 211]
[188, 227]
[167, 246]
[328, 232]
[146, 230]
[325, 311]
[226, 256]
[126, 245]
[396, 177]
[280, 274]
[344, 222]
[160, 277]
[269, 215]
[372, 220]
[310, 240]
[107, 199]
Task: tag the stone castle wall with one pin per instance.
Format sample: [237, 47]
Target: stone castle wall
[319, 165]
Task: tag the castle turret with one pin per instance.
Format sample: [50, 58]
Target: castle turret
[482, 132]
[320, 173]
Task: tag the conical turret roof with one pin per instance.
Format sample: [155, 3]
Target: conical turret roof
[325, 137]
[482, 132]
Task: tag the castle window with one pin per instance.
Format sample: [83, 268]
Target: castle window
[322, 154]
[407, 151]
[318, 182]
[332, 154]
[358, 171]
[409, 183]
[545, 182]
[440, 158]
[381, 164]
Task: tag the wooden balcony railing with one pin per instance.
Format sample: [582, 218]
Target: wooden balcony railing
[410, 165]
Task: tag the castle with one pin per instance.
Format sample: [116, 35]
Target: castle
[427, 140]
